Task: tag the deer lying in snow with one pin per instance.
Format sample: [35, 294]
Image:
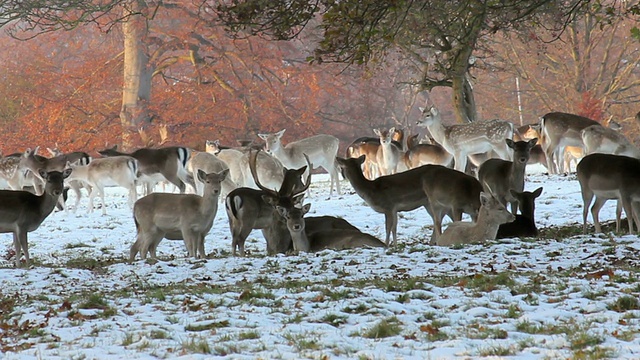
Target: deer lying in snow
[492, 213]
[321, 235]
[525, 223]
[187, 217]
[22, 212]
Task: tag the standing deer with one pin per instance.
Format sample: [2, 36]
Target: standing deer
[103, 172]
[525, 223]
[155, 165]
[559, 130]
[369, 146]
[249, 209]
[462, 140]
[608, 176]
[501, 176]
[423, 154]
[412, 189]
[606, 140]
[22, 212]
[388, 154]
[187, 217]
[322, 234]
[209, 163]
[321, 150]
[492, 213]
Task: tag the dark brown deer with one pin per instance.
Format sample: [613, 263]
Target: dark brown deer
[22, 212]
[525, 223]
[249, 209]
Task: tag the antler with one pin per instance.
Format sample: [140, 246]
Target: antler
[252, 166]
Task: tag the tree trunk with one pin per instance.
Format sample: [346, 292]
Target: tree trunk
[136, 89]
[464, 102]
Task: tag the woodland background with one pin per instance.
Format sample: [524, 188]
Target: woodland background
[65, 87]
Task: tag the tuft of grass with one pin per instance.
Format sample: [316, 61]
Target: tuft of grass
[207, 326]
[305, 341]
[497, 350]
[129, 338]
[625, 303]
[595, 353]
[384, 328]
[158, 334]
[334, 319]
[582, 339]
[195, 345]
[513, 312]
[75, 246]
[358, 309]
[95, 301]
[249, 335]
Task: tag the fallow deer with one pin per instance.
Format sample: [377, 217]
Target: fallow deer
[525, 223]
[321, 150]
[502, 176]
[492, 213]
[323, 236]
[209, 163]
[606, 140]
[249, 209]
[559, 130]
[388, 154]
[423, 154]
[369, 146]
[606, 177]
[155, 165]
[462, 140]
[187, 217]
[103, 172]
[412, 189]
[22, 212]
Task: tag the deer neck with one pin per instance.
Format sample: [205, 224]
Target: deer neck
[360, 183]
[438, 131]
[486, 228]
[517, 174]
[209, 204]
[46, 202]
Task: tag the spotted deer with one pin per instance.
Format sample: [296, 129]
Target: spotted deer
[462, 140]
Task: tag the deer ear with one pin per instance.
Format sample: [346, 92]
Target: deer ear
[223, 174]
[263, 136]
[361, 159]
[42, 173]
[421, 109]
[305, 208]
[376, 131]
[66, 172]
[202, 176]
[537, 192]
[533, 142]
[484, 198]
[282, 211]
[281, 132]
[510, 143]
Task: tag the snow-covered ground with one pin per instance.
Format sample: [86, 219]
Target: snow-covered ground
[561, 296]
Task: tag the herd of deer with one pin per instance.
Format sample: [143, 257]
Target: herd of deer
[265, 189]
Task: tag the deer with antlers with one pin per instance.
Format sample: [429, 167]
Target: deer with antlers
[249, 209]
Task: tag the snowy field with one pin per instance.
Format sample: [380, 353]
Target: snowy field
[562, 296]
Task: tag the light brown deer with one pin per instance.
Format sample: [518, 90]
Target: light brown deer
[323, 236]
[559, 130]
[22, 212]
[321, 150]
[423, 154]
[501, 176]
[388, 154]
[187, 217]
[607, 140]
[462, 140]
[492, 213]
[608, 176]
[369, 146]
[209, 163]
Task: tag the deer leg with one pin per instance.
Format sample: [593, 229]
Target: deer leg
[175, 180]
[22, 238]
[16, 245]
[461, 162]
[133, 194]
[390, 220]
[626, 204]
[635, 208]
[619, 215]
[104, 205]
[91, 196]
[587, 197]
[155, 239]
[595, 211]
[202, 253]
